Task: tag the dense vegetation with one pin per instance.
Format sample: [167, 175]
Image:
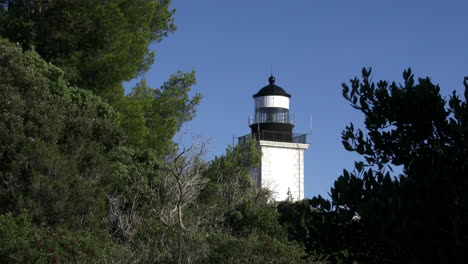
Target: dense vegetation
[419, 216]
[91, 175]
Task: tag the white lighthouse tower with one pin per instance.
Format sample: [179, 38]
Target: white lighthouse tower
[282, 164]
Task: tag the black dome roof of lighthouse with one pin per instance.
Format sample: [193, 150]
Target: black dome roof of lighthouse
[272, 89]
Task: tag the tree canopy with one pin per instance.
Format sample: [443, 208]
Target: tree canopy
[151, 117]
[54, 141]
[418, 216]
[99, 44]
[85, 181]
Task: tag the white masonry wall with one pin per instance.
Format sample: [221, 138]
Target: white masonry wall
[282, 169]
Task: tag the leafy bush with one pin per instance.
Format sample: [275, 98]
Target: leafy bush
[23, 242]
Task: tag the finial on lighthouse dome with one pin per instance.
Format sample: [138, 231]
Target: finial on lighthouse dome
[271, 89]
[272, 80]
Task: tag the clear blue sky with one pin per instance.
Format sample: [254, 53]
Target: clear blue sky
[312, 47]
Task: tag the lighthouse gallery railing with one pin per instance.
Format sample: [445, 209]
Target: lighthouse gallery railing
[275, 136]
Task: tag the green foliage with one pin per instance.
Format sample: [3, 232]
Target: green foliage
[74, 165]
[99, 44]
[145, 220]
[151, 117]
[230, 176]
[249, 217]
[134, 172]
[55, 141]
[397, 118]
[250, 231]
[255, 248]
[160, 243]
[321, 230]
[23, 242]
[419, 216]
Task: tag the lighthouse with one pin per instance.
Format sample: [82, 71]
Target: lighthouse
[282, 164]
